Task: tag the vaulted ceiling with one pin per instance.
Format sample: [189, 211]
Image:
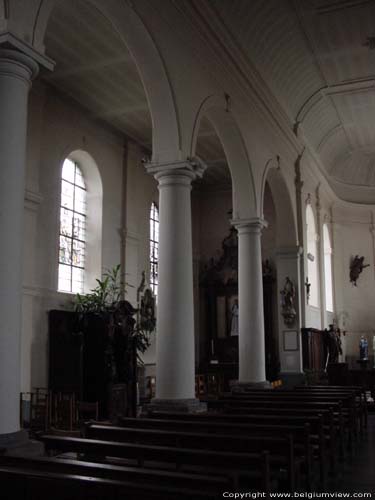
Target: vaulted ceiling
[318, 59]
[316, 56]
[95, 68]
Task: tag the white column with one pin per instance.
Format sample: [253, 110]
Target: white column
[252, 366]
[16, 73]
[175, 365]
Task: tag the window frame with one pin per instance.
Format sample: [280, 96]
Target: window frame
[73, 211]
[154, 244]
[328, 268]
[313, 274]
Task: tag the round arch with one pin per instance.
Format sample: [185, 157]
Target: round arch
[286, 233]
[130, 28]
[244, 194]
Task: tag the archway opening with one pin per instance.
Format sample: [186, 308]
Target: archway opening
[215, 254]
[280, 255]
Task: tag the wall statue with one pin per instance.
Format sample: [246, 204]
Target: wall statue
[234, 319]
[356, 267]
[288, 295]
[333, 344]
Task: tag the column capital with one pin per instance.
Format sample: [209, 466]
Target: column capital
[17, 64]
[8, 41]
[252, 225]
[190, 169]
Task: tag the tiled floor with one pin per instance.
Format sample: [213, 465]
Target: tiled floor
[358, 475]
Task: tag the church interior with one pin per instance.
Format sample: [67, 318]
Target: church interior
[187, 203]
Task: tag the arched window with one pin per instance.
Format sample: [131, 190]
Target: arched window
[72, 240]
[312, 257]
[154, 248]
[328, 268]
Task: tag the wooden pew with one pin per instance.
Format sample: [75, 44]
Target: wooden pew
[345, 417]
[254, 466]
[29, 484]
[258, 426]
[333, 423]
[212, 484]
[358, 392]
[348, 400]
[280, 447]
[321, 435]
[342, 420]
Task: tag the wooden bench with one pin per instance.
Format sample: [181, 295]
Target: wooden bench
[341, 422]
[322, 437]
[344, 417]
[255, 467]
[300, 430]
[27, 483]
[212, 484]
[347, 398]
[358, 392]
[280, 447]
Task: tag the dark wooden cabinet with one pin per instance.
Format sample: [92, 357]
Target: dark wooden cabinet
[65, 353]
[77, 359]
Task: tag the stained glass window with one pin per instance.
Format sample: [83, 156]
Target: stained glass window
[154, 248]
[72, 229]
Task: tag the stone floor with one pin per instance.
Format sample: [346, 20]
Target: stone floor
[358, 474]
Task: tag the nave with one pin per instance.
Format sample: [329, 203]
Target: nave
[310, 439]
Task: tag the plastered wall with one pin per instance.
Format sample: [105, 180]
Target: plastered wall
[56, 128]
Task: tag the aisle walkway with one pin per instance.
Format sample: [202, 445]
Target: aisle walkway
[359, 475]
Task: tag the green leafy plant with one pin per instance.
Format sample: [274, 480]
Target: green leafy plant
[104, 300]
[104, 297]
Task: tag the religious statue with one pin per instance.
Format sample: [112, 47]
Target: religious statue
[234, 319]
[356, 267]
[147, 321]
[308, 287]
[333, 344]
[363, 349]
[230, 250]
[288, 294]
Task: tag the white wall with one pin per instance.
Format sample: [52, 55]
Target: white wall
[56, 128]
[355, 305]
[141, 191]
[269, 233]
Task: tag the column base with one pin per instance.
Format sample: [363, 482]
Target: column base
[239, 387]
[175, 406]
[19, 444]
